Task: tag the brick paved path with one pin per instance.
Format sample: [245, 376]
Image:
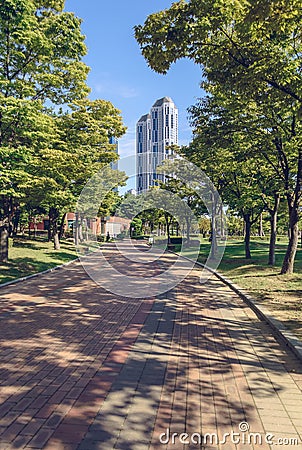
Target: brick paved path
[85, 369]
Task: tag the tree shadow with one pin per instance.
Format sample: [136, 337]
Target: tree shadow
[84, 368]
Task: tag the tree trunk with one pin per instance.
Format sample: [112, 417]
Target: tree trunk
[49, 231]
[260, 229]
[273, 231]
[53, 222]
[222, 224]
[293, 209]
[289, 259]
[4, 243]
[16, 221]
[188, 228]
[168, 228]
[62, 226]
[213, 243]
[214, 247]
[87, 228]
[56, 240]
[247, 237]
[35, 227]
[103, 226]
[80, 228]
[76, 229]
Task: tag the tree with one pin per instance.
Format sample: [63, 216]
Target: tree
[24, 129]
[248, 133]
[223, 152]
[41, 47]
[80, 149]
[235, 42]
[244, 48]
[150, 219]
[47, 153]
[172, 169]
[40, 61]
[136, 227]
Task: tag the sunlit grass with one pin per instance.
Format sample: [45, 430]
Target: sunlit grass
[28, 256]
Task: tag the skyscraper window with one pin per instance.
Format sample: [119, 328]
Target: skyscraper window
[154, 132]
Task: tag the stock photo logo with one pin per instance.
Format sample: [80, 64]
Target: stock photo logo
[184, 192]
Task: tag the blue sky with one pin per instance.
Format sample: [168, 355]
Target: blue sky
[120, 74]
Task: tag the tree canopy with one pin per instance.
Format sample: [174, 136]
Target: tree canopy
[250, 56]
[52, 137]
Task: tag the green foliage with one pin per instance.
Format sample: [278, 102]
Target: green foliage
[250, 53]
[136, 227]
[47, 154]
[40, 52]
[204, 224]
[109, 204]
[252, 46]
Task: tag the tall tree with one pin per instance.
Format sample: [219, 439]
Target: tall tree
[47, 154]
[248, 133]
[41, 48]
[178, 186]
[80, 149]
[245, 48]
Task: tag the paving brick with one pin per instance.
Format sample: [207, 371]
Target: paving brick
[70, 433]
[111, 371]
[54, 420]
[11, 432]
[40, 439]
[32, 427]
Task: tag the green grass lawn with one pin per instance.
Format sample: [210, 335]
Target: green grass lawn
[28, 256]
[281, 294]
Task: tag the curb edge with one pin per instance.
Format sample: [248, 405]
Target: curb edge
[38, 274]
[280, 330]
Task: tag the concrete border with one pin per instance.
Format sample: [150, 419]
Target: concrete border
[281, 332]
[38, 274]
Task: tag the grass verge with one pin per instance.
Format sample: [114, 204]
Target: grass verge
[28, 256]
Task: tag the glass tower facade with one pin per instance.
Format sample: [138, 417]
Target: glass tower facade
[154, 133]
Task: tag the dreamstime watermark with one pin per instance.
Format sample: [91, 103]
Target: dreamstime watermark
[242, 436]
[192, 187]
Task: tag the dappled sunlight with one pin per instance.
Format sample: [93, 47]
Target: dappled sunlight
[82, 365]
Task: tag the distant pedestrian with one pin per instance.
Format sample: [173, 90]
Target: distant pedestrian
[108, 237]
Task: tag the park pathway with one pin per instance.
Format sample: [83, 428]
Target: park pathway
[85, 369]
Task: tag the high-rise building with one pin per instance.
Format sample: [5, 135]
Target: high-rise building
[154, 133]
[114, 141]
